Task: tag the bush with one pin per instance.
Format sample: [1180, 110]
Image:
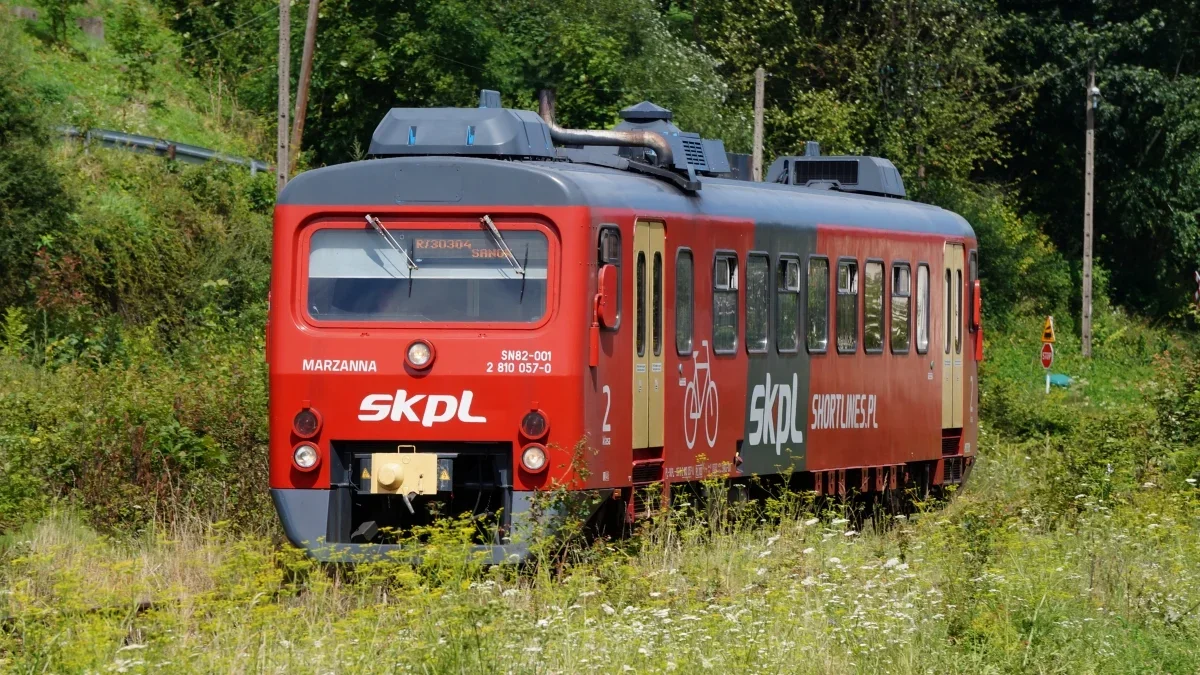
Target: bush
[150, 436]
[158, 244]
[33, 202]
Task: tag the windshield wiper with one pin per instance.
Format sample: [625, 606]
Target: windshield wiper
[374, 222]
[486, 221]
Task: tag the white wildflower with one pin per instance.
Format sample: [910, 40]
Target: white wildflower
[891, 562]
[808, 550]
[772, 540]
[811, 521]
[608, 609]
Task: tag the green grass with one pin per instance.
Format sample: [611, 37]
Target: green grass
[83, 84]
[1041, 564]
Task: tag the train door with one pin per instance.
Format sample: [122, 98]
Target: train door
[648, 383]
[952, 338]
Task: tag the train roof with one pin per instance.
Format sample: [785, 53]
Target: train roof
[475, 181]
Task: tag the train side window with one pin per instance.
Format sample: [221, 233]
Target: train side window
[657, 309]
[958, 324]
[816, 329]
[608, 252]
[973, 268]
[684, 302]
[922, 308]
[758, 302]
[901, 298]
[725, 303]
[873, 287]
[787, 305]
[640, 303]
[949, 297]
[847, 306]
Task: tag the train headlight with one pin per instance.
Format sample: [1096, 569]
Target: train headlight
[306, 457]
[533, 458]
[534, 424]
[419, 355]
[306, 423]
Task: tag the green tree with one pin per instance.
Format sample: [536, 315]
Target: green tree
[58, 12]
[134, 39]
[34, 206]
[1147, 180]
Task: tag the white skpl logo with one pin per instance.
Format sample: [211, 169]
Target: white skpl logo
[437, 408]
[773, 414]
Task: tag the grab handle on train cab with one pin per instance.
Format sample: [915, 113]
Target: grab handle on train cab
[977, 310]
[977, 321]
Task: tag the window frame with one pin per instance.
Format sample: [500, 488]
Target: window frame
[766, 343]
[948, 286]
[304, 248]
[883, 302]
[601, 261]
[691, 340]
[928, 306]
[837, 293]
[891, 296]
[658, 296]
[807, 314]
[731, 255]
[641, 302]
[962, 317]
[781, 261]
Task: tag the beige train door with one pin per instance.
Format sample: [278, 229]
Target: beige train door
[952, 337]
[648, 384]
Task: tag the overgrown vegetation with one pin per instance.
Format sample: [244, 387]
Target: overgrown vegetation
[1075, 548]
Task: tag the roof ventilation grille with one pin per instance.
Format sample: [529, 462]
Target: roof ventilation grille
[704, 156]
[862, 175]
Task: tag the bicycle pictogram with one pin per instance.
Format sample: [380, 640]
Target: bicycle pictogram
[694, 408]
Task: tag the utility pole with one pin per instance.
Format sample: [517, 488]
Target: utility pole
[285, 70]
[760, 77]
[306, 65]
[1093, 94]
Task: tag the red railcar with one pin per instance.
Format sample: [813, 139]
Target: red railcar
[493, 304]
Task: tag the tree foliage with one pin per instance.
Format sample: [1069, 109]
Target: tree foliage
[34, 205]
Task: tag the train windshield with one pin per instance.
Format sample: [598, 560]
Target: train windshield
[445, 276]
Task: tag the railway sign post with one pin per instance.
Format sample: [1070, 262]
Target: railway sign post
[1047, 361]
[1047, 353]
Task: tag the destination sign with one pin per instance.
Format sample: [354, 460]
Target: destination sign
[463, 246]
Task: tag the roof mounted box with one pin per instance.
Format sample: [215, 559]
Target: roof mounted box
[863, 175]
[478, 132]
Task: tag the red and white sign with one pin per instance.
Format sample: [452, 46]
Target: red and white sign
[1047, 355]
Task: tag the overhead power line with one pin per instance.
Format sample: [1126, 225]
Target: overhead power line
[271, 10]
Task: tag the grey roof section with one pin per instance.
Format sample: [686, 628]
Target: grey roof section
[468, 181]
[480, 132]
[432, 180]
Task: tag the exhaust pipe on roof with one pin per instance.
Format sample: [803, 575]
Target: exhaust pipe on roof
[644, 139]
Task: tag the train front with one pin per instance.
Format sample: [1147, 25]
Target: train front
[422, 364]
